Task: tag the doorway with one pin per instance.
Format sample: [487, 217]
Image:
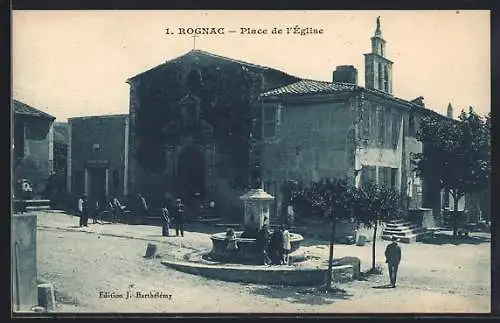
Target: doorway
[97, 185]
[191, 174]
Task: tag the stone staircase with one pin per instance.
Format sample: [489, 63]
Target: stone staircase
[406, 231]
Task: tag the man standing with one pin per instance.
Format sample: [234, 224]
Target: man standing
[277, 250]
[392, 258]
[96, 211]
[263, 243]
[179, 218]
[83, 210]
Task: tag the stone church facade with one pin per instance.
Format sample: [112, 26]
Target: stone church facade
[199, 124]
[191, 125]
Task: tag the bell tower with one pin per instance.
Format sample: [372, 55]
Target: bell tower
[378, 69]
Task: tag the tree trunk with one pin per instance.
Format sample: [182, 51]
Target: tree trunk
[330, 257]
[373, 243]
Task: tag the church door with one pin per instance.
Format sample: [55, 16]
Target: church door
[191, 173]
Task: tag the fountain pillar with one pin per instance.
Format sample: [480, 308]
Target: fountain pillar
[257, 205]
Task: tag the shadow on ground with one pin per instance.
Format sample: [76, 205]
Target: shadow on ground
[310, 241]
[445, 238]
[386, 286]
[300, 295]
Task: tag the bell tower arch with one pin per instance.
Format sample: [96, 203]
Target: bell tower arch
[378, 68]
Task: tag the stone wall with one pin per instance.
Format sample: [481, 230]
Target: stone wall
[266, 275]
[312, 142]
[23, 263]
[226, 100]
[37, 162]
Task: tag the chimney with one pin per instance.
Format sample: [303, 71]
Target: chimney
[419, 101]
[449, 111]
[346, 74]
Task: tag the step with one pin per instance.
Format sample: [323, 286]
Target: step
[397, 225]
[38, 207]
[403, 232]
[402, 228]
[399, 222]
[407, 239]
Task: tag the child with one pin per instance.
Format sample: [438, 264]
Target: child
[231, 244]
[286, 245]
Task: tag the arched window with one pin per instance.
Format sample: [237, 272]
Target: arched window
[380, 76]
[386, 79]
[411, 125]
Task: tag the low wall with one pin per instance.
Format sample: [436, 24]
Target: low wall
[423, 217]
[23, 264]
[274, 275]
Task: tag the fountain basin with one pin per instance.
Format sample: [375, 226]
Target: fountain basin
[268, 275]
[247, 247]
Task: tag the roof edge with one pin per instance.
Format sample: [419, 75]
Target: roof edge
[104, 116]
[212, 55]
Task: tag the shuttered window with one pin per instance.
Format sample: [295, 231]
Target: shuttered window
[272, 120]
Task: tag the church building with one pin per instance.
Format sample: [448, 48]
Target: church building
[200, 123]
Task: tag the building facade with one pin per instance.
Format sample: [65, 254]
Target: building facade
[202, 123]
[191, 120]
[314, 129]
[33, 142]
[97, 157]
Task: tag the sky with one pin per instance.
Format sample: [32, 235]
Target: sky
[76, 63]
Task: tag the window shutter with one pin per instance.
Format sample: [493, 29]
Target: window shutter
[279, 114]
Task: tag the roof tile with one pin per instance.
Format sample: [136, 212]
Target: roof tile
[307, 87]
[22, 108]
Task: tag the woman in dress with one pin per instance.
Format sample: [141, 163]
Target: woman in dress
[165, 222]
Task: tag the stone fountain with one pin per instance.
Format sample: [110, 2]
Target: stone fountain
[256, 214]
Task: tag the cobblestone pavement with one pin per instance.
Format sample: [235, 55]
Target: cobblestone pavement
[83, 262]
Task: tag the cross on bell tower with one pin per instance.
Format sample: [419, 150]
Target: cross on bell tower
[378, 69]
[194, 40]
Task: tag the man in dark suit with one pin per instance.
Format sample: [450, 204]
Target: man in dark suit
[179, 218]
[262, 243]
[83, 210]
[393, 258]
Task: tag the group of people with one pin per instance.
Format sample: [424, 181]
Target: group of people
[114, 205]
[275, 248]
[173, 213]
